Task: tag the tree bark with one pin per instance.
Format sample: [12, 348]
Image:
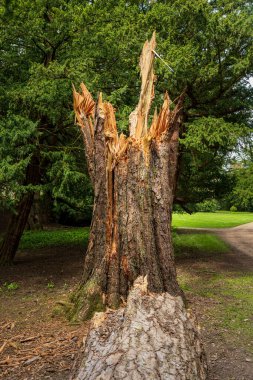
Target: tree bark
[18, 220]
[134, 186]
[40, 214]
[153, 337]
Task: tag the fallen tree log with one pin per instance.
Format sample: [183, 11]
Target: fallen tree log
[153, 337]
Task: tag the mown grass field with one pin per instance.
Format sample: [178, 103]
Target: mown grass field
[184, 245]
[220, 219]
[55, 237]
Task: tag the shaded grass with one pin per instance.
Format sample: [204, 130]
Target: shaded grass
[52, 238]
[192, 245]
[221, 219]
[184, 245]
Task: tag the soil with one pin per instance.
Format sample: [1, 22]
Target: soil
[37, 343]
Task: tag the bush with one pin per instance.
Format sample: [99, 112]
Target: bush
[233, 208]
[209, 205]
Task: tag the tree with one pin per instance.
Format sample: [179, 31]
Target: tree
[206, 150]
[241, 171]
[39, 150]
[42, 39]
[130, 243]
[242, 194]
[201, 47]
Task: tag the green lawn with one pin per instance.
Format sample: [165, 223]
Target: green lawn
[52, 238]
[192, 245]
[221, 219]
[76, 236]
[185, 245]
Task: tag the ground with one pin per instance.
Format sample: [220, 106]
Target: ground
[220, 290]
[39, 343]
[36, 342]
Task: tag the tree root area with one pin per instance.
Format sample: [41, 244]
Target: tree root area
[153, 337]
[37, 343]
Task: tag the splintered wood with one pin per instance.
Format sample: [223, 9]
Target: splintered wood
[138, 119]
[140, 135]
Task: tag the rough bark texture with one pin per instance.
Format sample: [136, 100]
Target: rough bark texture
[18, 220]
[134, 185]
[153, 337]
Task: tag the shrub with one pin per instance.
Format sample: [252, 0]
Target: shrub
[233, 208]
[209, 205]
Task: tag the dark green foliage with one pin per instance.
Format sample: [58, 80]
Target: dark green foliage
[208, 205]
[206, 147]
[36, 104]
[242, 194]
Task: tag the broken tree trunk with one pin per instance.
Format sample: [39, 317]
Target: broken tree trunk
[134, 181]
[134, 185]
[153, 337]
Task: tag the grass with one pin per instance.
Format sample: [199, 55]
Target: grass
[190, 245]
[79, 236]
[9, 286]
[185, 244]
[52, 238]
[230, 297]
[220, 219]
